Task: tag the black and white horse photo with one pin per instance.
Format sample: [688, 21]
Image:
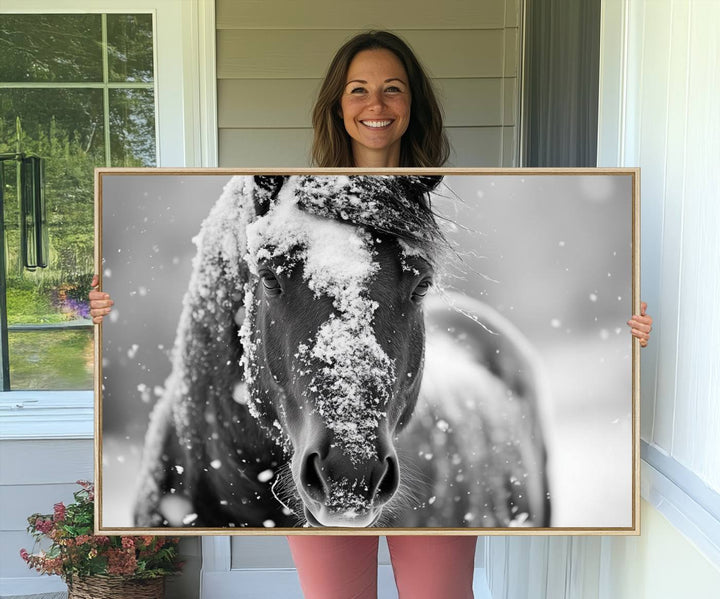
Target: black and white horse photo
[323, 376]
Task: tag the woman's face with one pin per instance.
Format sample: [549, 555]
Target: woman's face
[375, 107]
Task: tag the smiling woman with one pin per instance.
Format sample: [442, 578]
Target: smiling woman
[377, 98]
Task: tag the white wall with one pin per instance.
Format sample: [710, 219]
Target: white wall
[34, 475]
[659, 91]
[659, 564]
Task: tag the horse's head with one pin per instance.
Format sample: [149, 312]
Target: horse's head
[333, 333]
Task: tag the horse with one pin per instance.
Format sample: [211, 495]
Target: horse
[316, 381]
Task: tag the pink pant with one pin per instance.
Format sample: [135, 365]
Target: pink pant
[426, 567]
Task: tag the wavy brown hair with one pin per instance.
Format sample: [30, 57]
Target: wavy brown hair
[423, 144]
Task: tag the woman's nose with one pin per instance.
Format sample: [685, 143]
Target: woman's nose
[376, 100]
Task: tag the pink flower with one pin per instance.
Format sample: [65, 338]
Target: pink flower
[24, 554]
[128, 542]
[44, 526]
[121, 562]
[59, 509]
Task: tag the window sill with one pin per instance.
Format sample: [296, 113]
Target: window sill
[677, 493]
[46, 415]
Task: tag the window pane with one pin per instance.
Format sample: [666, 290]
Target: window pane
[65, 127]
[50, 48]
[53, 121]
[53, 359]
[130, 47]
[132, 127]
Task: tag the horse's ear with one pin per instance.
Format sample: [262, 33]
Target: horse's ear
[267, 187]
[421, 184]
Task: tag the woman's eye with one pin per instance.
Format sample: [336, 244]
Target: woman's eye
[393, 89]
[270, 283]
[421, 290]
[357, 90]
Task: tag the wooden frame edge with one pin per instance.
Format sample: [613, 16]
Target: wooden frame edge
[633, 530]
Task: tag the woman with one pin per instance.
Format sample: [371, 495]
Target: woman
[376, 108]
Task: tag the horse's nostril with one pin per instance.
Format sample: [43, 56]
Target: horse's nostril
[389, 481]
[312, 479]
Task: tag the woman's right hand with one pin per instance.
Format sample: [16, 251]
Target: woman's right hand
[100, 302]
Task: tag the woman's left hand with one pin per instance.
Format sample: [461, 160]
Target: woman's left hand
[641, 325]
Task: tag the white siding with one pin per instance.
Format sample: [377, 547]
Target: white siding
[670, 127]
[34, 475]
[271, 58]
[660, 85]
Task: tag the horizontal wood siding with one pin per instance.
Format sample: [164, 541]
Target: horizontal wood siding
[271, 58]
[35, 475]
[380, 14]
[248, 54]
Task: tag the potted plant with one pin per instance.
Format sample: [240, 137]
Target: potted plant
[97, 567]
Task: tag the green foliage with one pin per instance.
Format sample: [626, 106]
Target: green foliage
[26, 304]
[51, 359]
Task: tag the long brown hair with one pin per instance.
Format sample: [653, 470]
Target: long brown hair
[423, 144]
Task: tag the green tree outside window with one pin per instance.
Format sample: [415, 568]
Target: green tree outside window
[77, 90]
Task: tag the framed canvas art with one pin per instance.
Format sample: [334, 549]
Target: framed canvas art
[401, 352]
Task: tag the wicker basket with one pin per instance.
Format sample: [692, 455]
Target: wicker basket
[116, 587]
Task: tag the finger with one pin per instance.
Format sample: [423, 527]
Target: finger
[643, 343]
[643, 321]
[100, 303]
[639, 334]
[95, 281]
[98, 295]
[643, 308]
[634, 324]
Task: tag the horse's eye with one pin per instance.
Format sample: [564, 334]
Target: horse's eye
[270, 283]
[421, 290]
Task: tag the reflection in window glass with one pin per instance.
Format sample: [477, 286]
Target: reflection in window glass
[132, 127]
[52, 118]
[49, 330]
[37, 48]
[55, 359]
[130, 47]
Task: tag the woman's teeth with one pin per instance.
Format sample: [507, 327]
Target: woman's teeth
[376, 124]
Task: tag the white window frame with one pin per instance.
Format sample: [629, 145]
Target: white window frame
[186, 130]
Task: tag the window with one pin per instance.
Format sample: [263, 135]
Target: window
[78, 91]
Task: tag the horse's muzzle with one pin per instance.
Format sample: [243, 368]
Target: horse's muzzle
[337, 491]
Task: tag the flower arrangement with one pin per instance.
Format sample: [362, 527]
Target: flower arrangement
[75, 553]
